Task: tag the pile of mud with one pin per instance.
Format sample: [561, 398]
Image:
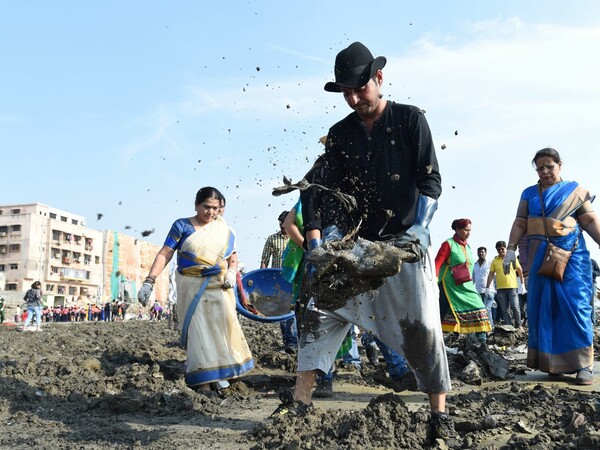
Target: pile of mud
[507, 416]
[121, 385]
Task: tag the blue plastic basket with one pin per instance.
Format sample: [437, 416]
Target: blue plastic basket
[269, 293]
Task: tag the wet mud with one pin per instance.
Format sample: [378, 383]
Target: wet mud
[121, 385]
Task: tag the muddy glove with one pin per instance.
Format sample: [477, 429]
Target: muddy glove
[311, 270]
[144, 293]
[230, 279]
[509, 259]
[416, 238]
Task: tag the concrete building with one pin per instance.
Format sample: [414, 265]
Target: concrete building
[74, 263]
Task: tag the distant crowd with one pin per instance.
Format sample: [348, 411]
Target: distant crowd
[109, 312]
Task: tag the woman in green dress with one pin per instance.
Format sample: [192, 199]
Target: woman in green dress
[461, 307]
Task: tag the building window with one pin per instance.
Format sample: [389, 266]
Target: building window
[11, 286]
[2, 249]
[3, 230]
[15, 211]
[61, 290]
[15, 228]
[14, 266]
[97, 259]
[1, 267]
[63, 218]
[72, 290]
[66, 257]
[56, 235]
[0, 212]
[53, 215]
[74, 222]
[54, 270]
[49, 287]
[14, 248]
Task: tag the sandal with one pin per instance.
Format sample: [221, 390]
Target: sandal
[584, 377]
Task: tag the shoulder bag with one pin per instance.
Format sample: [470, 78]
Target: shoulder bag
[555, 258]
[461, 272]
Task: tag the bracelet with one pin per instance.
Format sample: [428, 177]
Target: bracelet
[150, 279]
[512, 247]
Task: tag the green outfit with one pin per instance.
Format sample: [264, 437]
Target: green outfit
[467, 313]
[293, 257]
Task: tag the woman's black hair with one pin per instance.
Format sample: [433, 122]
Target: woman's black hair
[209, 192]
[547, 152]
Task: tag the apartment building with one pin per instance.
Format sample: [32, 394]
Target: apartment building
[73, 262]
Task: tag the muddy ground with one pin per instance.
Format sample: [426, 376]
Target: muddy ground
[120, 386]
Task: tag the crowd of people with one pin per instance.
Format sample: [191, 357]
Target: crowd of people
[109, 312]
[114, 311]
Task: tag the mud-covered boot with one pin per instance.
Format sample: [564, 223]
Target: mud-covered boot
[371, 352]
[324, 389]
[442, 427]
[291, 407]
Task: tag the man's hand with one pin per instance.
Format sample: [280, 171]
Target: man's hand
[144, 293]
[415, 239]
[230, 279]
[509, 258]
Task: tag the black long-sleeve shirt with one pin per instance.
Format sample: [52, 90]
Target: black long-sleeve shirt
[385, 170]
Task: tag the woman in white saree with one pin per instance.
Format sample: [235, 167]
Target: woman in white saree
[206, 273]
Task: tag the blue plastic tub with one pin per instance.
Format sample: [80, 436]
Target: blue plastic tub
[269, 293]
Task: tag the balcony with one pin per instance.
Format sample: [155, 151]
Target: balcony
[66, 260]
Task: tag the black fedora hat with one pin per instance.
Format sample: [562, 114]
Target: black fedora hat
[354, 66]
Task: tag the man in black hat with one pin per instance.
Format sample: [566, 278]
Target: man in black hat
[383, 155]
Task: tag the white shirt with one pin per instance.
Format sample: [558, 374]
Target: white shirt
[480, 276]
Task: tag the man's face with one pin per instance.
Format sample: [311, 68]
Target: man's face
[481, 253]
[283, 230]
[501, 251]
[364, 100]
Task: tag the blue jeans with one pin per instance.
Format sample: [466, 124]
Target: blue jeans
[289, 331]
[488, 301]
[31, 310]
[397, 366]
[508, 298]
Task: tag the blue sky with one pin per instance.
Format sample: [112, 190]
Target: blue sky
[127, 108]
